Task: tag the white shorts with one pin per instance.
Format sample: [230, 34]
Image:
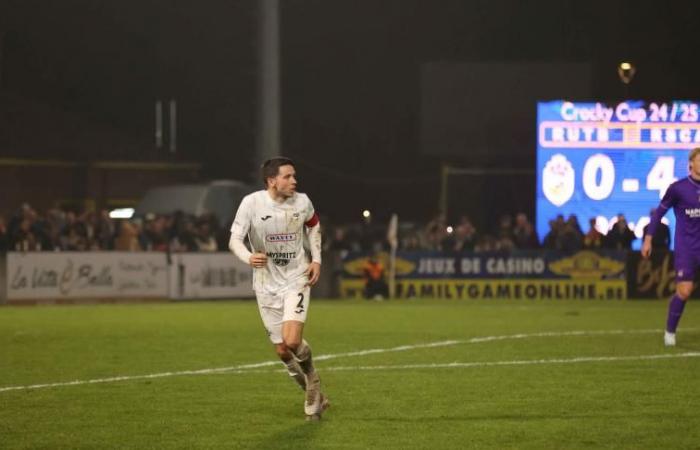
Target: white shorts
[290, 303]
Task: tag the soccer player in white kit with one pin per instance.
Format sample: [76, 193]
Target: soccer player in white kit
[278, 221]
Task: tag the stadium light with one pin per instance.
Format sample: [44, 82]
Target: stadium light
[626, 72]
[121, 213]
[366, 214]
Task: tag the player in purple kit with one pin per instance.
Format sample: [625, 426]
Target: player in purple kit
[684, 197]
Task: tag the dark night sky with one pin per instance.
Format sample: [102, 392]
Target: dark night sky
[351, 76]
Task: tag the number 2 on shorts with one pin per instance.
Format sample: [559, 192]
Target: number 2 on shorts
[300, 305]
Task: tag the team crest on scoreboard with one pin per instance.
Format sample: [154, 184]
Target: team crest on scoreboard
[558, 180]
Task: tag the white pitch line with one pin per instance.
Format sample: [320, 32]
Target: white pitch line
[400, 348]
[478, 364]
[561, 334]
[525, 362]
[247, 367]
[232, 369]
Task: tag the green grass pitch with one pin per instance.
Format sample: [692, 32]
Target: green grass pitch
[502, 374]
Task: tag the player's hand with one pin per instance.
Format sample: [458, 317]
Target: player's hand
[258, 260]
[646, 247]
[313, 272]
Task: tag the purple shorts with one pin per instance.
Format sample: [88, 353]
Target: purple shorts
[686, 264]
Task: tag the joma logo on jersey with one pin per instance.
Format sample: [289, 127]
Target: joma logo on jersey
[283, 237]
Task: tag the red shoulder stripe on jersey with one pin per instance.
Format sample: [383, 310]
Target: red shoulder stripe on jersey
[313, 221]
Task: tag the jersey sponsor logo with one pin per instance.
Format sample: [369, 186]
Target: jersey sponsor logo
[282, 237]
[265, 218]
[693, 213]
[281, 258]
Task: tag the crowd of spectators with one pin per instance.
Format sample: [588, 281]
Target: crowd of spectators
[567, 235]
[60, 230]
[510, 232]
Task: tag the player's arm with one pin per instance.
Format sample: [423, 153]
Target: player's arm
[239, 231]
[667, 202]
[313, 232]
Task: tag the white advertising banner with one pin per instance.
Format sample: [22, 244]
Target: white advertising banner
[209, 275]
[44, 275]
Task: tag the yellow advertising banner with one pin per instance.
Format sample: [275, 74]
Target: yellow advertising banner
[529, 289]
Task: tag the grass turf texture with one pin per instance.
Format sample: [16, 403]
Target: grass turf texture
[608, 404]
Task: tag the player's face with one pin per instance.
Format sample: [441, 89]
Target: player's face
[285, 182]
[695, 167]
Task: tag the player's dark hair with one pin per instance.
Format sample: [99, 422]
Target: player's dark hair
[271, 167]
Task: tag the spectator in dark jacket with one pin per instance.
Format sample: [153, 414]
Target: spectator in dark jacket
[552, 237]
[620, 237]
[524, 233]
[571, 238]
[24, 240]
[465, 236]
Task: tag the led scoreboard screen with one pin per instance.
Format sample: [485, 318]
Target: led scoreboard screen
[600, 160]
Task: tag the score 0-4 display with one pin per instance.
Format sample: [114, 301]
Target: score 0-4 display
[598, 160]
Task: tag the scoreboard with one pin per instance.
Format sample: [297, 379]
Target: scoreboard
[600, 160]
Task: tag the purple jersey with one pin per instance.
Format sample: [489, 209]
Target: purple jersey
[684, 197]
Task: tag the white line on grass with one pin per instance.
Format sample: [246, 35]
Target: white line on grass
[232, 369]
[526, 362]
[247, 367]
[478, 364]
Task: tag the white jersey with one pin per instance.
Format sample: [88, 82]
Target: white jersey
[276, 229]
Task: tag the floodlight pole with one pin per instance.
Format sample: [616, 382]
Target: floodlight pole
[269, 98]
